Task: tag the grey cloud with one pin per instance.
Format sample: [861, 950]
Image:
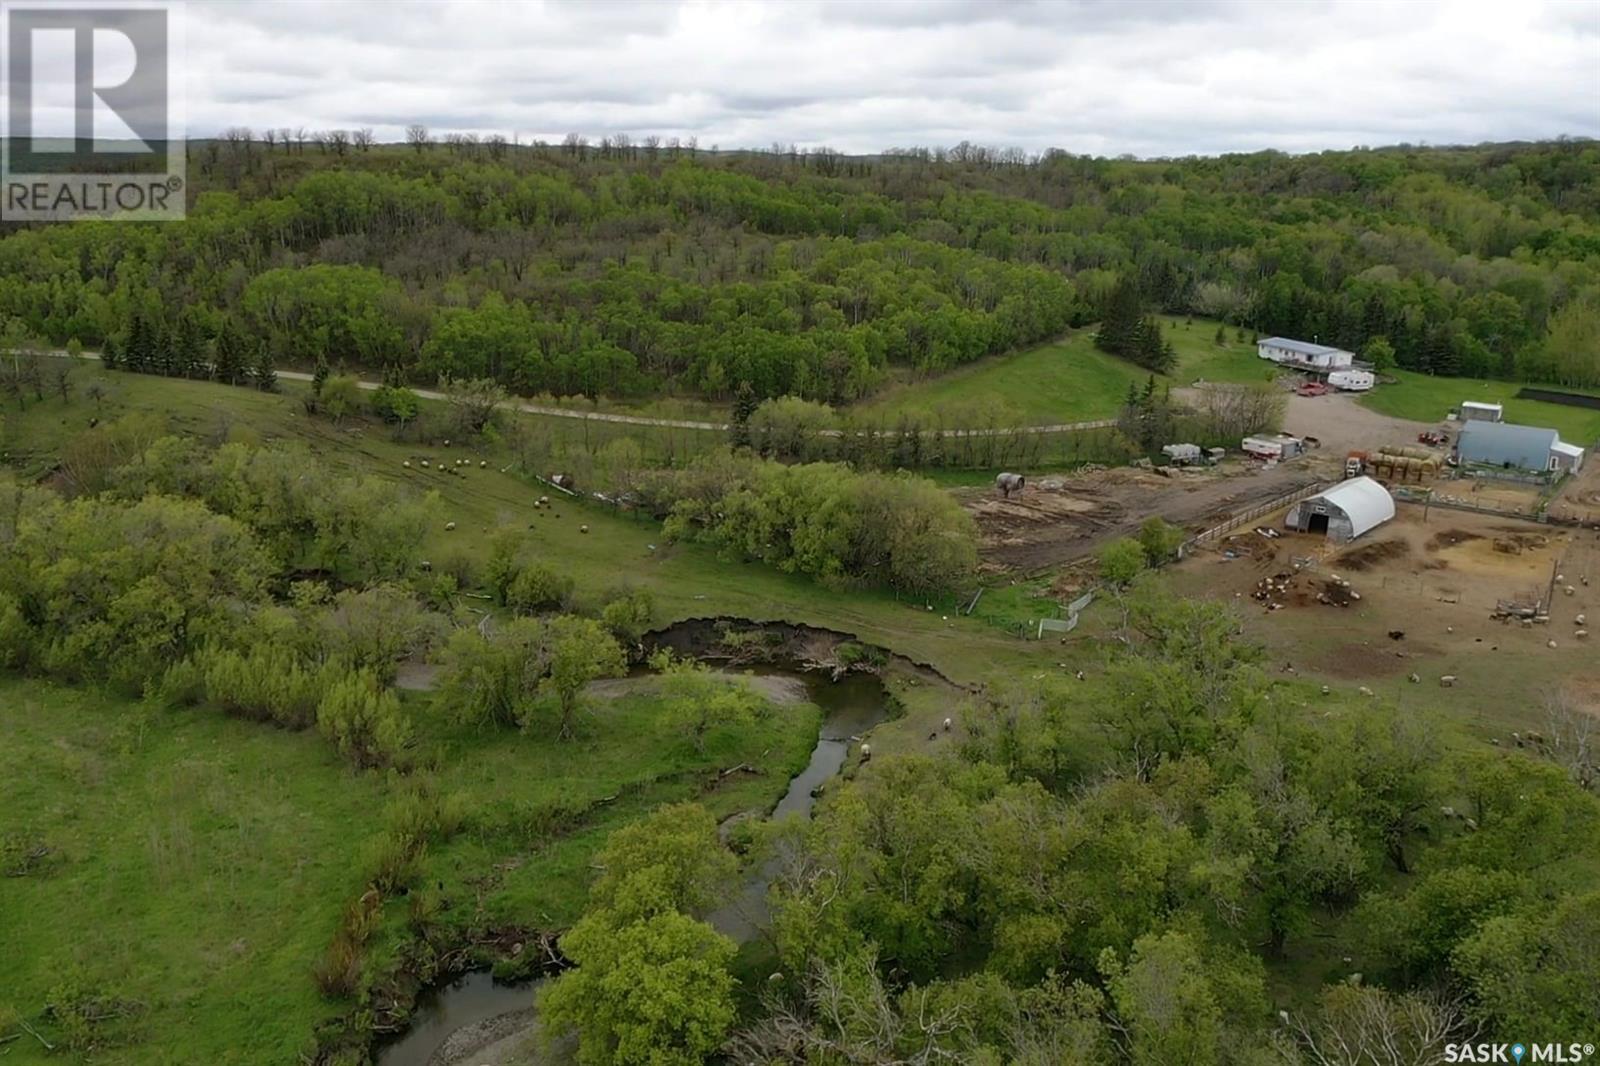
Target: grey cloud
[1152, 78]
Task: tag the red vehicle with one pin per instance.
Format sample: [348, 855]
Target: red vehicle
[1311, 388]
[1433, 437]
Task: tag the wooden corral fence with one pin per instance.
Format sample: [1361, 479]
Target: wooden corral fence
[1245, 517]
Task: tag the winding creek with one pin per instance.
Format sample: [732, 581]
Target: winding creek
[477, 1020]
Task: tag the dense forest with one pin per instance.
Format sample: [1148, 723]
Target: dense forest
[629, 268]
[1036, 902]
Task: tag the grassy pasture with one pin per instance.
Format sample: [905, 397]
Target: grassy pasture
[1067, 381]
[199, 864]
[1426, 398]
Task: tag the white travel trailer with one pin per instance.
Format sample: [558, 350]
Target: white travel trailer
[1352, 380]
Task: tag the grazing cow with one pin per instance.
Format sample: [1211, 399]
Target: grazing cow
[1009, 483]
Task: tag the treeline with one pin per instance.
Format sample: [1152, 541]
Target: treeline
[1233, 880]
[634, 271]
[255, 581]
[825, 520]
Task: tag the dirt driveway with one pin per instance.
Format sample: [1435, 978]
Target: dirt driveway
[1343, 425]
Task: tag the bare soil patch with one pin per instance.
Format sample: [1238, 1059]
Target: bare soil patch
[1371, 555]
[1059, 520]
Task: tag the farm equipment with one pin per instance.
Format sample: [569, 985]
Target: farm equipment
[1433, 437]
[1354, 464]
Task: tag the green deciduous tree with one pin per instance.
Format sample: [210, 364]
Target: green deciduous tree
[365, 721]
[696, 701]
[581, 651]
[652, 984]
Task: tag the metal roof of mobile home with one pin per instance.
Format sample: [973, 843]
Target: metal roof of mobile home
[1302, 347]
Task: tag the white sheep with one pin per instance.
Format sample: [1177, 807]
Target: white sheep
[947, 725]
[449, 527]
[583, 529]
[406, 464]
[866, 752]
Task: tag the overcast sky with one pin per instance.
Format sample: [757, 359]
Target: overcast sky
[1152, 78]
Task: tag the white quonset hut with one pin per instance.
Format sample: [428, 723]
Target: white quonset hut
[1343, 512]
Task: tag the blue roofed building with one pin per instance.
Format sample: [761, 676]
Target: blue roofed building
[1510, 446]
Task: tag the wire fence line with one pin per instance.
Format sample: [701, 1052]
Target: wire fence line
[1254, 513]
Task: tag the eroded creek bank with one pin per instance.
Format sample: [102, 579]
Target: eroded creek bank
[474, 1019]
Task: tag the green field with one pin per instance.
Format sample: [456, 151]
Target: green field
[173, 829]
[1425, 398]
[687, 580]
[198, 864]
[1068, 381]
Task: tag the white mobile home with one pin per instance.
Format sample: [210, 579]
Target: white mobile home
[1304, 354]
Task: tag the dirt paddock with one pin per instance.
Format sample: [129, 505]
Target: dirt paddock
[1415, 597]
[1057, 520]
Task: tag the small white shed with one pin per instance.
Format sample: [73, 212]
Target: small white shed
[1477, 411]
[1343, 512]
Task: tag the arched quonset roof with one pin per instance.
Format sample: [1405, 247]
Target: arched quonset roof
[1366, 502]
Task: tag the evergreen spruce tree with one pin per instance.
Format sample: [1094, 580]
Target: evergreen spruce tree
[263, 375]
[111, 354]
[194, 350]
[164, 342]
[744, 405]
[319, 376]
[140, 353]
[1222, 336]
[229, 359]
[1119, 322]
